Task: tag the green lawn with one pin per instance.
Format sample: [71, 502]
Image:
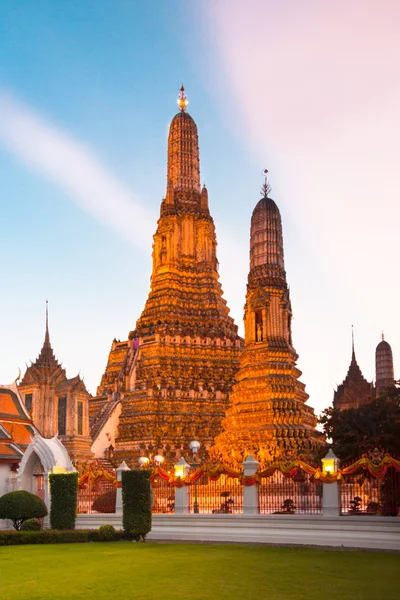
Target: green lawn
[153, 571]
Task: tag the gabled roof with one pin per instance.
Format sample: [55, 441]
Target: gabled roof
[10, 452]
[11, 404]
[16, 426]
[75, 383]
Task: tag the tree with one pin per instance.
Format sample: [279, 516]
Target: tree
[20, 506]
[356, 431]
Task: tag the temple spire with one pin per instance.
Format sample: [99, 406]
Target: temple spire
[353, 354]
[384, 371]
[47, 335]
[183, 172]
[46, 357]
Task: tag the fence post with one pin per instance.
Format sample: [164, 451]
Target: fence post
[181, 493]
[118, 504]
[330, 499]
[250, 492]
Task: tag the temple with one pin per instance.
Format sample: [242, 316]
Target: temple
[268, 417]
[183, 354]
[355, 390]
[57, 404]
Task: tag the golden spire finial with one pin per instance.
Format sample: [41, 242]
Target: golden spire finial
[266, 188]
[182, 100]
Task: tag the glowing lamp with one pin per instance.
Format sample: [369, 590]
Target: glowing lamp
[330, 463]
[143, 461]
[159, 459]
[181, 468]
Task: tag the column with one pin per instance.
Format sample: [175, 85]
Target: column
[331, 499]
[182, 493]
[118, 505]
[250, 493]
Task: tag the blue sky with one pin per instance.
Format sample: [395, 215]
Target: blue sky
[87, 91]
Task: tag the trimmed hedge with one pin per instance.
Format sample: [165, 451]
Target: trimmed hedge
[136, 503]
[20, 506]
[64, 497]
[51, 536]
[31, 525]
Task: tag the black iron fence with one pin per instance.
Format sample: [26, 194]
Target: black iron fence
[280, 495]
[163, 496]
[363, 494]
[221, 496]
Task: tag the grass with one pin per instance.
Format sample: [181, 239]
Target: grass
[157, 571]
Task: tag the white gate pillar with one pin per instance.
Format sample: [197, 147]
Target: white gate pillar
[118, 504]
[250, 493]
[181, 493]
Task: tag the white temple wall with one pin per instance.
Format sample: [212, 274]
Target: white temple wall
[107, 434]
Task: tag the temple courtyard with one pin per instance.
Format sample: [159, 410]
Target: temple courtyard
[166, 571]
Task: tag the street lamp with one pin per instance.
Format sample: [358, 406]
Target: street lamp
[330, 463]
[143, 461]
[158, 459]
[194, 446]
[181, 468]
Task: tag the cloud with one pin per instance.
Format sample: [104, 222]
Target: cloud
[46, 148]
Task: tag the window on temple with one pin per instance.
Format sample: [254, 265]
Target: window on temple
[62, 415]
[80, 418]
[29, 402]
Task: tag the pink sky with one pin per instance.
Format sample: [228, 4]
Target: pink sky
[316, 93]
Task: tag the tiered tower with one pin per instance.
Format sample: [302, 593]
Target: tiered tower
[57, 404]
[183, 354]
[268, 417]
[384, 371]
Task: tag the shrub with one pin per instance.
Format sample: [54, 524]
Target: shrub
[20, 506]
[136, 503]
[106, 533]
[106, 503]
[31, 525]
[51, 536]
[64, 496]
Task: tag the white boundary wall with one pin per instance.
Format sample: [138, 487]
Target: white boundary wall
[350, 532]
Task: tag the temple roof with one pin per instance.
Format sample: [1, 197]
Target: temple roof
[16, 426]
[72, 383]
[355, 389]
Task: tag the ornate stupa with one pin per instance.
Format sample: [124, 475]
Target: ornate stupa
[183, 353]
[268, 417]
[384, 371]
